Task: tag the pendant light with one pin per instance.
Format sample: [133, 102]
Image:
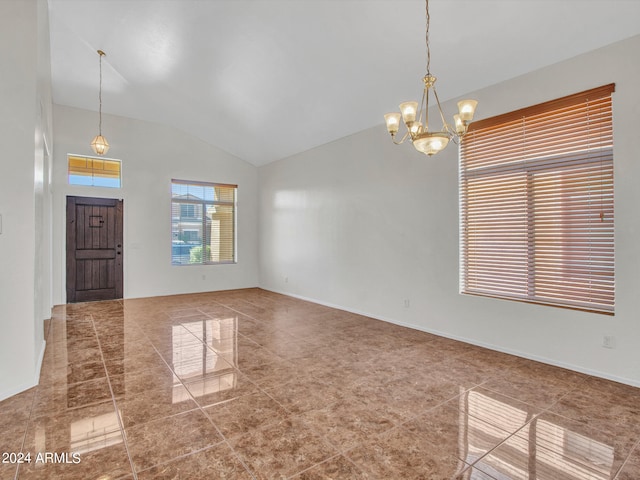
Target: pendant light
[99, 143]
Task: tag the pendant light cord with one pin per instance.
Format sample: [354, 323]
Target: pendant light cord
[427, 39]
[101, 53]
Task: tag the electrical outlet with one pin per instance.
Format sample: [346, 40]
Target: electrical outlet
[286, 279]
[608, 341]
[407, 303]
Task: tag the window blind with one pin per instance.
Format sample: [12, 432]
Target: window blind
[536, 204]
[99, 172]
[203, 219]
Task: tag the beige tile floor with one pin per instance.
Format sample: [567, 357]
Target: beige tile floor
[250, 384]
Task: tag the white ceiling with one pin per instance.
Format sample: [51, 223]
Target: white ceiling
[265, 79]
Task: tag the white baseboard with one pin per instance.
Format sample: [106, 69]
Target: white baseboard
[569, 366]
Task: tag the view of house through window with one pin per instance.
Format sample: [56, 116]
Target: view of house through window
[536, 204]
[203, 223]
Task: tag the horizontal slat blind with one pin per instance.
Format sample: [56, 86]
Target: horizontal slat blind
[93, 171]
[203, 222]
[536, 199]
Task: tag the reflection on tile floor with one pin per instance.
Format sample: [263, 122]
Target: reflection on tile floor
[250, 384]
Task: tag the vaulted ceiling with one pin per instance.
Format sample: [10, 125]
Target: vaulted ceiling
[265, 79]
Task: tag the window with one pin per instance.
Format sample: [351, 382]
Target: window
[536, 204]
[203, 223]
[189, 211]
[94, 172]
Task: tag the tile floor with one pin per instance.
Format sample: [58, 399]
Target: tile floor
[250, 384]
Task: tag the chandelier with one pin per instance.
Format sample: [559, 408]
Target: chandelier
[99, 143]
[416, 116]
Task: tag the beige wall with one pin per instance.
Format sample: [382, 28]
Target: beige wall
[152, 155]
[364, 225]
[25, 121]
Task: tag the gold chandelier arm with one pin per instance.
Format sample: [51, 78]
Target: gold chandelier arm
[424, 105]
[402, 140]
[445, 126]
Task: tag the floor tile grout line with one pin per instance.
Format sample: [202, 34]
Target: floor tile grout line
[239, 456]
[502, 442]
[534, 417]
[520, 400]
[183, 456]
[225, 440]
[198, 407]
[113, 401]
[346, 453]
[309, 426]
[290, 414]
[28, 422]
[326, 460]
[547, 408]
[633, 449]
[402, 426]
[322, 435]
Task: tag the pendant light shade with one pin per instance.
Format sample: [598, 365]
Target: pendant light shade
[100, 145]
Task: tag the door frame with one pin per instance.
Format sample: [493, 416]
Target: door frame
[70, 223]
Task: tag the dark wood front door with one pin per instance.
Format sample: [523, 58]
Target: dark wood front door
[94, 249]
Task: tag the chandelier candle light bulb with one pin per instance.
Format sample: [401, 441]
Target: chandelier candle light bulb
[415, 116]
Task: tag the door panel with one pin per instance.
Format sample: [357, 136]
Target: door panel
[94, 249]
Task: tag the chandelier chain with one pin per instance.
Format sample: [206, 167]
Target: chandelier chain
[99, 144]
[100, 95]
[427, 40]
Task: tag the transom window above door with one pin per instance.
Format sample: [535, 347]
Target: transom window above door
[94, 172]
